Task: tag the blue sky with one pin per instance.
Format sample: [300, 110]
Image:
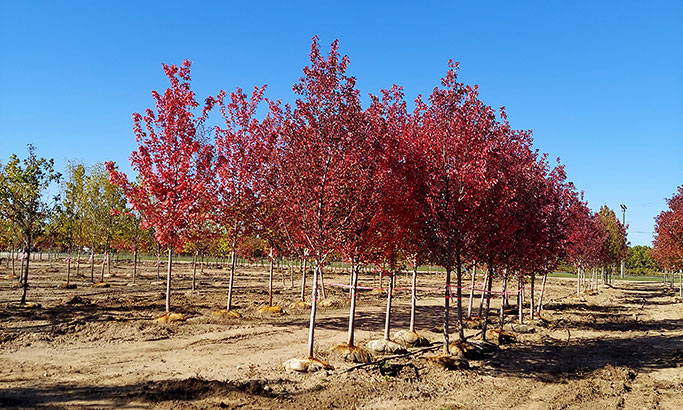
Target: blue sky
[599, 83]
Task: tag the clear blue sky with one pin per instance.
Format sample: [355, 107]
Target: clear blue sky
[599, 83]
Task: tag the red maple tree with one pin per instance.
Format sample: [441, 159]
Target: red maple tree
[174, 165]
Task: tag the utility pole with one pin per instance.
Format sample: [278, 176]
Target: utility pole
[623, 222]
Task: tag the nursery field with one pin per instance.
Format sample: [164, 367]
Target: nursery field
[100, 347]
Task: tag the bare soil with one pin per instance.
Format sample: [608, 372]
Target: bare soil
[99, 347]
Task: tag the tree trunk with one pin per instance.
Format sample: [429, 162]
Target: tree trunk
[92, 263]
[68, 268]
[578, 281]
[487, 279]
[532, 303]
[413, 299]
[12, 256]
[25, 282]
[446, 310]
[194, 269]
[314, 299]
[135, 264]
[501, 318]
[303, 279]
[471, 298]
[520, 299]
[387, 317]
[168, 280]
[458, 292]
[352, 309]
[104, 262]
[540, 297]
[270, 279]
[487, 291]
[232, 277]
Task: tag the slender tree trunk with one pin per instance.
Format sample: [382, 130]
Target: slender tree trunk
[303, 279]
[506, 296]
[194, 269]
[487, 278]
[232, 277]
[413, 299]
[135, 264]
[168, 279]
[25, 283]
[92, 263]
[104, 262]
[471, 298]
[488, 281]
[578, 281]
[270, 279]
[446, 310]
[532, 301]
[387, 318]
[520, 300]
[352, 309]
[314, 299]
[12, 256]
[68, 267]
[501, 318]
[540, 297]
[458, 302]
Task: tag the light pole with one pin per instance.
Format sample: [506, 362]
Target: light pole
[623, 222]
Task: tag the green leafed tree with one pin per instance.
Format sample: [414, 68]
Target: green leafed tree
[23, 183]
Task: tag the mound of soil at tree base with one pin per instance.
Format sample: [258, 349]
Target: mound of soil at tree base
[170, 318]
[77, 300]
[474, 350]
[353, 354]
[306, 365]
[500, 336]
[300, 305]
[270, 310]
[100, 285]
[383, 346]
[226, 314]
[448, 362]
[410, 339]
[334, 302]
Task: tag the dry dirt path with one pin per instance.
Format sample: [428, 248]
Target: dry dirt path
[620, 348]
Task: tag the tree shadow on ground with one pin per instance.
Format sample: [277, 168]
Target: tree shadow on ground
[560, 360]
[65, 394]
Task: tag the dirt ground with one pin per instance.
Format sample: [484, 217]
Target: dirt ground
[619, 348]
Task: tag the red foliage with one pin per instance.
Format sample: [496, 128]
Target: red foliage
[668, 243]
[174, 166]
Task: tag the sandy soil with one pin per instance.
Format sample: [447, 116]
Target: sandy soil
[619, 348]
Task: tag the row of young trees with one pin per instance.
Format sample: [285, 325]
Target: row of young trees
[448, 181]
